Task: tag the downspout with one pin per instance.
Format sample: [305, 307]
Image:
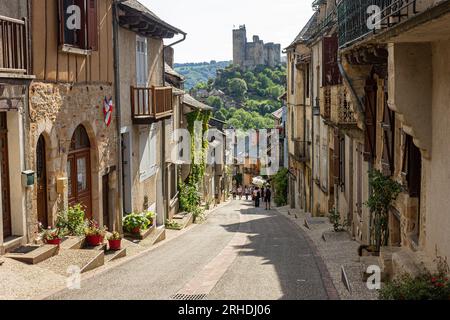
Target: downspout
[116, 53]
[312, 136]
[165, 186]
[305, 144]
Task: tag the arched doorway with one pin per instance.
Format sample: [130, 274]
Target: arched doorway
[79, 171]
[41, 175]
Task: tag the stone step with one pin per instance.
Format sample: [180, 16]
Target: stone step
[111, 255]
[187, 220]
[33, 254]
[159, 235]
[72, 242]
[69, 260]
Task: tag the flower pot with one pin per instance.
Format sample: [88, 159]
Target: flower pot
[94, 240]
[53, 241]
[114, 244]
[136, 230]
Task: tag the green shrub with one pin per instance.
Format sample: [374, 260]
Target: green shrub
[71, 221]
[135, 220]
[423, 287]
[280, 181]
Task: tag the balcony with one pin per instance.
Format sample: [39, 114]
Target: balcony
[353, 17]
[302, 151]
[151, 104]
[13, 47]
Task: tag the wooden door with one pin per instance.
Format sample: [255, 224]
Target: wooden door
[6, 204]
[79, 171]
[105, 195]
[41, 177]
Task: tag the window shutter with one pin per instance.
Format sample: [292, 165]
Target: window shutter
[388, 127]
[331, 75]
[152, 148]
[92, 25]
[370, 115]
[144, 152]
[336, 157]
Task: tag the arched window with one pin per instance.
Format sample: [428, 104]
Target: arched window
[80, 139]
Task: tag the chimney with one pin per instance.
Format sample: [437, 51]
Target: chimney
[168, 56]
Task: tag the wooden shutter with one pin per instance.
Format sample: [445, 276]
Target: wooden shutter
[336, 157]
[331, 75]
[388, 127]
[92, 25]
[371, 118]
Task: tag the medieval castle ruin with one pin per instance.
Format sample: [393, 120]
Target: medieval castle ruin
[250, 54]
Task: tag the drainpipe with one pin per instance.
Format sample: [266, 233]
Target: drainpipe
[165, 187]
[116, 53]
[312, 135]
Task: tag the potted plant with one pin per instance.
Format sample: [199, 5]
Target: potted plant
[50, 235]
[150, 215]
[115, 241]
[134, 223]
[94, 233]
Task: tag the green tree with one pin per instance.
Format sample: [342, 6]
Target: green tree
[237, 88]
[215, 102]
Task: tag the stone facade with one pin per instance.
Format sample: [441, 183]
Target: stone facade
[56, 110]
[251, 54]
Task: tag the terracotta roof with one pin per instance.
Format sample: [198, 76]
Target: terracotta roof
[278, 114]
[172, 72]
[190, 101]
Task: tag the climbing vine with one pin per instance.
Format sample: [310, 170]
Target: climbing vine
[189, 197]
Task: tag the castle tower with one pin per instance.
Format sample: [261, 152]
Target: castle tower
[239, 45]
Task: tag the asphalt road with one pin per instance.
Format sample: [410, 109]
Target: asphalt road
[239, 253]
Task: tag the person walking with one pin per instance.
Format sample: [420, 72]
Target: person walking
[240, 192]
[268, 198]
[257, 197]
[246, 191]
[234, 192]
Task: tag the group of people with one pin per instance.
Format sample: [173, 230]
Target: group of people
[257, 194]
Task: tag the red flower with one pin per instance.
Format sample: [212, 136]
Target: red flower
[433, 280]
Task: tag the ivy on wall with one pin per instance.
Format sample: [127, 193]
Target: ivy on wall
[189, 197]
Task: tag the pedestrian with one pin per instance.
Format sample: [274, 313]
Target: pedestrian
[267, 198]
[257, 197]
[246, 191]
[240, 192]
[234, 192]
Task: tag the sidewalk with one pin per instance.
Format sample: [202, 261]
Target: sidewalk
[338, 251]
[22, 281]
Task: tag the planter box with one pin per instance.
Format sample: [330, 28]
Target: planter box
[142, 234]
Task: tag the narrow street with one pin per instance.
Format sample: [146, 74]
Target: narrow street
[239, 253]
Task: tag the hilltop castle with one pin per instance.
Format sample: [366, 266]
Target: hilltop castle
[250, 54]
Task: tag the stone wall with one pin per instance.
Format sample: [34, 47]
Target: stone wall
[56, 110]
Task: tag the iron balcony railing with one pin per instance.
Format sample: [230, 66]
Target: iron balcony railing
[329, 20]
[150, 104]
[301, 150]
[13, 46]
[356, 21]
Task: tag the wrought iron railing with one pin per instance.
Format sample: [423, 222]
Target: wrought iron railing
[13, 45]
[325, 23]
[356, 21]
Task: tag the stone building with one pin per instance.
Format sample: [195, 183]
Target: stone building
[150, 112]
[251, 54]
[73, 142]
[385, 113]
[15, 78]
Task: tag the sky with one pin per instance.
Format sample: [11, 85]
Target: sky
[209, 23]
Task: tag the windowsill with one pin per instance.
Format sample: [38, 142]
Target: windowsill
[69, 49]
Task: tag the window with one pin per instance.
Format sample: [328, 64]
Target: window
[331, 75]
[293, 76]
[78, 26]
[307, 81]
[141, 61]
[147, 153]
